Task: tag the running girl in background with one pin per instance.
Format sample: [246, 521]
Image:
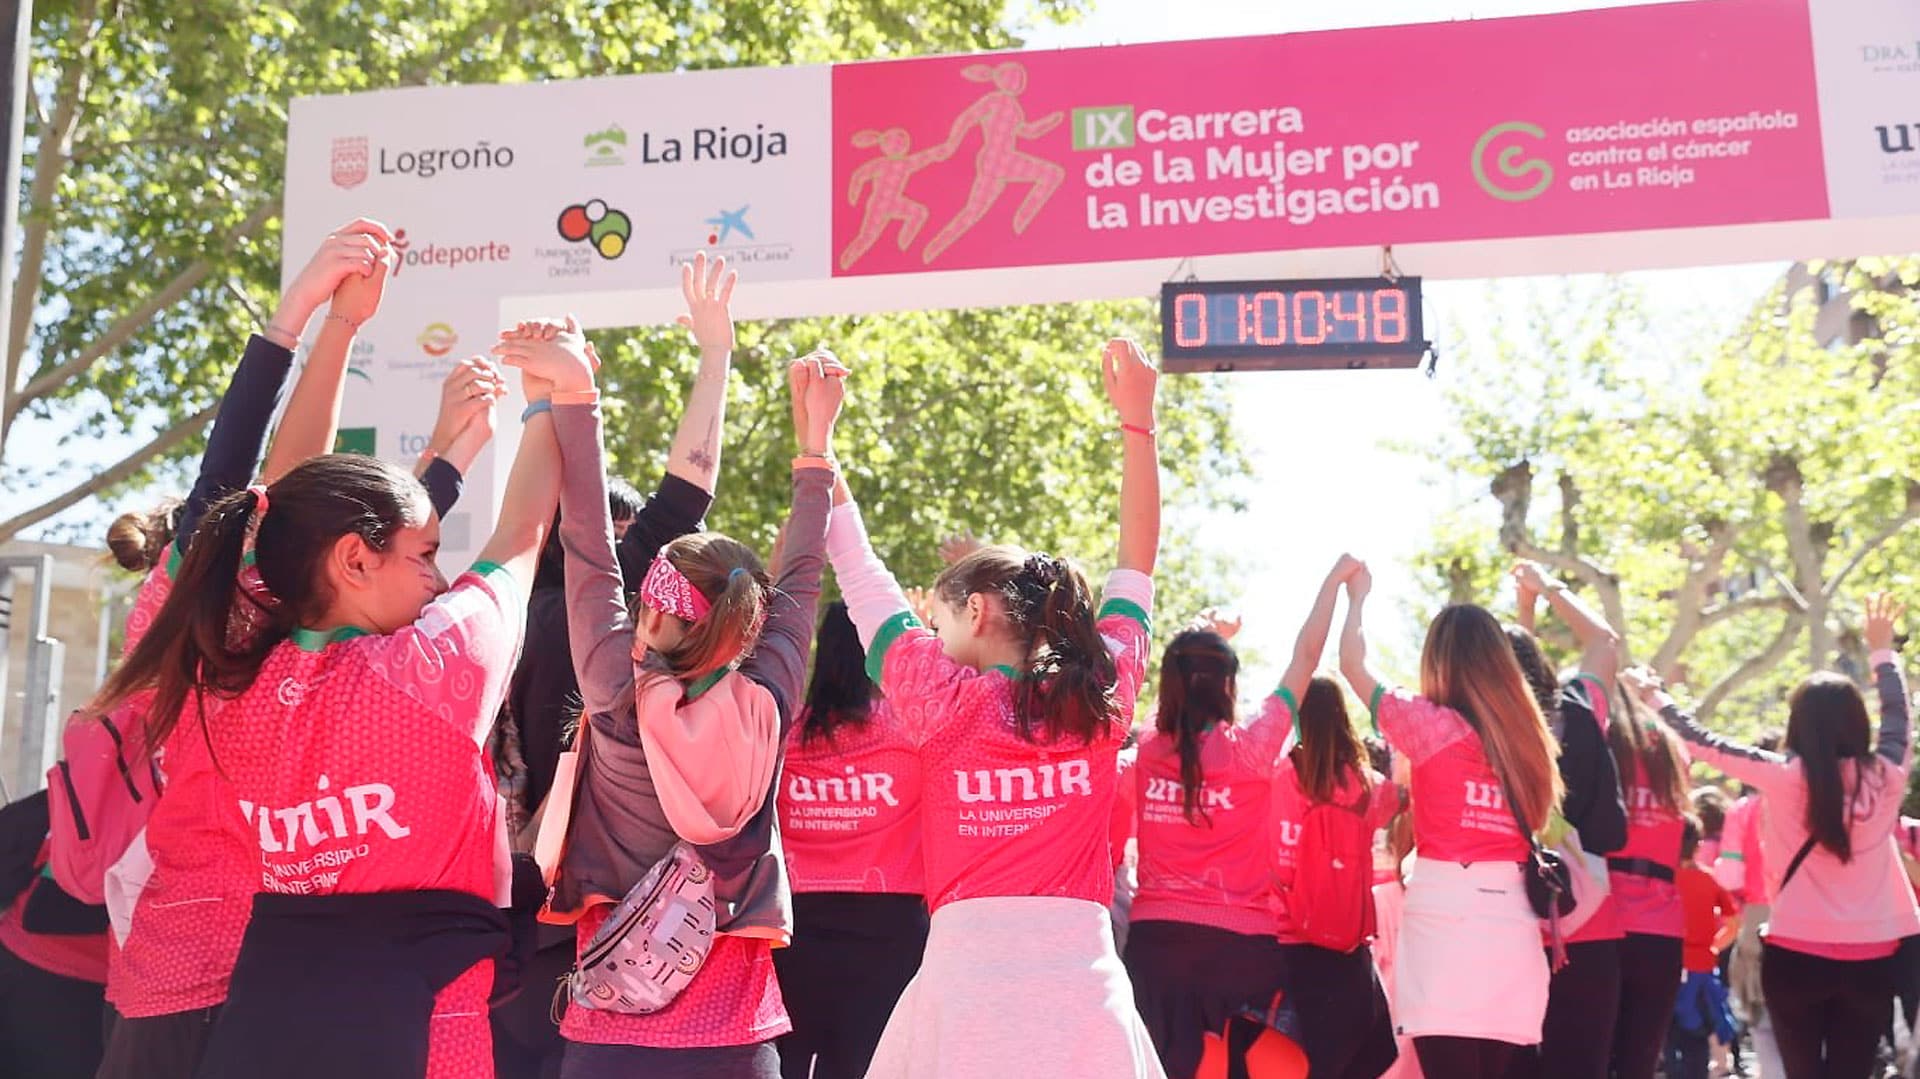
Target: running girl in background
[1019, 697]
[1583, 1001]
[1483, 778]
[1841, 902]
[1200, 936]
[686, 704]
[850, 822]
[343, 731]
[1327, 804]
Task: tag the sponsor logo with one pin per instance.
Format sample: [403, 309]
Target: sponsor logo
[1891, 59]
[1508, 179]
[361, 440]
[1898, 138]
[597, 225]
[350, 161]
[438, 339]
[1900, 146]
[425, 164]
[606, 147]
[723, 233]
[412, 445]
[445, 256]
[360, 360]
[714, 144]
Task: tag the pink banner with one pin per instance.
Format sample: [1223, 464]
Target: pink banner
[1667, 116]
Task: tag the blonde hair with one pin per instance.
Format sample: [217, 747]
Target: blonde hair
[1469, 666]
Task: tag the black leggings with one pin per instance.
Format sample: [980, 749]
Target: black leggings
[1576, 1041]
[1464, 1058]
[158, 1046]
[852, 955]
[1827, 1013]
[1649, 982]
[1344, 1026]
[49, 1024]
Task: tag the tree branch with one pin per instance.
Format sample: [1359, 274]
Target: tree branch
[127, 325]
[1719, 613]
[160, 445]
[1880, 539]
[50, 162]
[1755, 665]
[1690, 602]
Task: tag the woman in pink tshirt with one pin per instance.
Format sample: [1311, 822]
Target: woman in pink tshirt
[348, 729]
[1841, 901]
[1470, 978]
[1644, 895]
[1200, 943]
[850, 823]
[1018, 699]
[1327, 804]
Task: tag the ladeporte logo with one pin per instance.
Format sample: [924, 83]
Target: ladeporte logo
[445, 256]
[1507, 181]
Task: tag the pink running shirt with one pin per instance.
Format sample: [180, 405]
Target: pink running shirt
[1460, 813]
[850, 808]
[1644, 905]
[1213, 869]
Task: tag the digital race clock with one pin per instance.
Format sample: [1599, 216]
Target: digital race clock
[1291, 325]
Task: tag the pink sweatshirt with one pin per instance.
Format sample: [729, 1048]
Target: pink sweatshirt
[1831, 908]
[1001, 816]
[1212, 869]
[850, 808]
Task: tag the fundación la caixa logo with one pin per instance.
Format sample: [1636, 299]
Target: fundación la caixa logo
[355, 159]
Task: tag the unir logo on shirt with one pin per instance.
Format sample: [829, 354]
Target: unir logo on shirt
[282, 831]
[1024, 784]
[1169, 792]
[861, 787]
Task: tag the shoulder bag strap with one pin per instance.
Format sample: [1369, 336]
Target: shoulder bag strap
[1794, 866]
[556, 809]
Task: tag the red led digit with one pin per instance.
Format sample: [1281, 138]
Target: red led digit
[1351, 313]
[1390, 316]
[1190, 320]
[1318, 333]
[1276, 302]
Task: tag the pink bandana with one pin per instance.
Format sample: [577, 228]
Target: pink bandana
[667, 590]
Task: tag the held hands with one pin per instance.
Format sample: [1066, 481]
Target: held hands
[709, 291]
[360, 251]
[467, 397]
[552, 357]
[958, 546]
[1644, 684]
[1883, 615]
[1529, 579]
[1131, 381]
[1212, 620]
[1359, 582]
[1344, 568]
[818, 382]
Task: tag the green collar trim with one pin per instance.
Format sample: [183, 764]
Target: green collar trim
[700, 685]
[314, 640]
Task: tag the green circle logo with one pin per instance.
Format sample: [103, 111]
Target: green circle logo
[1510, 165]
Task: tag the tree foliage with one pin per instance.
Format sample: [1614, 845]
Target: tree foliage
[156, 143]
[1727, 507]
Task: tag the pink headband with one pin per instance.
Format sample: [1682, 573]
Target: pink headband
[668, 591]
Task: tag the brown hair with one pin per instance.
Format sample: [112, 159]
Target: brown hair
[730, 577]
[1468, 666]
[1068, 688]
[1644, 751]
[139, 539]
[189, 651]
[1197, 689]
[1329, 747]
[1827, 725]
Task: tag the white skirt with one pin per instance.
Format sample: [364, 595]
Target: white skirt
[1469, 963]
[1017, 986]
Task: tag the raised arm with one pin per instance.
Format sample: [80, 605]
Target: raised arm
[1746, 763]
[1883, 614]
[780, 659]
[1131, 381]
[1311, 644]
[1353, 639]
[358, 259]
[696, 444]
[463, 428]
[1599, 643]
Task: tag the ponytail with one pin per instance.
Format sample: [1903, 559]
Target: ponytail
[1197, 690]
[730, 578]
[139, 540]
[222, 618]
[1068, 688]
[1645, 752]
[840, 692]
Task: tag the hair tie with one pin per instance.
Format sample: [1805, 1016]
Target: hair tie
[260, 500]
[737, 571]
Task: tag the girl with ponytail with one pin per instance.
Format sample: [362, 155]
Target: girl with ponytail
[322, 715]
[686, 702]
[1201, 944]
[1017, 699]
[1841, 901]
[1484, 786]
